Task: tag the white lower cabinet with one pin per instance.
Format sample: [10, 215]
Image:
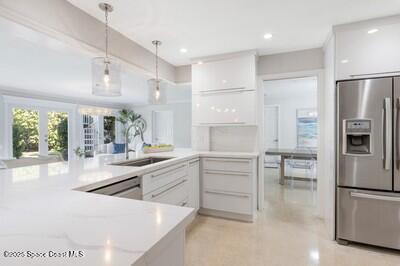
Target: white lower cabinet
[177, 184]
[176, 193]
[194, 187]
[227, 201]
[228, 187]
[224, 187]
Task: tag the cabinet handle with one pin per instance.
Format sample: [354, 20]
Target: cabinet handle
[226, 173]
[168, 189]
[387, 129]
[376, 197]
[377, 73]
[228, 90]
[227, 194]
[224, 123]
[173, 170]
[194, 162]
[227, 160]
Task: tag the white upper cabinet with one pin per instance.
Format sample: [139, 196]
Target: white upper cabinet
[368, 52]
[228, 74]
[224, 91]
[227, 108]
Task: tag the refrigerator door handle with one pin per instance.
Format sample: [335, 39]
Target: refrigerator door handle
[387, 133]
[397, 133]
[372, 196]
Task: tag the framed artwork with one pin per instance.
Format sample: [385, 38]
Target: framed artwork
[307, 128]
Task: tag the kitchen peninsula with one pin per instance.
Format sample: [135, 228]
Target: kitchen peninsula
[48, 218]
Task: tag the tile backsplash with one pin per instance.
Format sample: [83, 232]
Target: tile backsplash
[234, 139]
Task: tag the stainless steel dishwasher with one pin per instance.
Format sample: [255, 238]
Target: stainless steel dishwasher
[130, 188]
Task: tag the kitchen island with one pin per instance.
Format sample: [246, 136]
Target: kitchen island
[47, 218]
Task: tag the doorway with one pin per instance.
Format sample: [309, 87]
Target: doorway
[163, 127]
[291, 142]
[271, 116]
[38, 132]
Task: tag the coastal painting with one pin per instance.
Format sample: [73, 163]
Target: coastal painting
[307, 128]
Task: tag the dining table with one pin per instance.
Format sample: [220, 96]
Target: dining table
[295, 154]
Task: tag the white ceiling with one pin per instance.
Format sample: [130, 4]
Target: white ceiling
[207, 27]
[33, 63]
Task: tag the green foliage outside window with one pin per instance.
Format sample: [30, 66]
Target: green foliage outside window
[26, 132]
[18, 143]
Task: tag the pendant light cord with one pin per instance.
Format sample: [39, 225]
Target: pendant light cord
[157, 62]
[106, 31]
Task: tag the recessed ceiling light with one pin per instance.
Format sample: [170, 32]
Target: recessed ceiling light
[183, 50]
[372, 31]
[200, 62]
[267, 36]
[344, 61]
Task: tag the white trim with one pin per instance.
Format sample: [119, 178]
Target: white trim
[278, 106]
[26, 94]
[223, 56]
[319, 73]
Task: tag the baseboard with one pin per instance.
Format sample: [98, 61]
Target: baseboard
[227, 215]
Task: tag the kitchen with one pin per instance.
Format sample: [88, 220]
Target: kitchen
[201, 200]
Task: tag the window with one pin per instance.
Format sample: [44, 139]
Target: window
[109, 129]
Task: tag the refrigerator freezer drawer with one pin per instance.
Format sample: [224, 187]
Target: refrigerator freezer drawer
[368, 217]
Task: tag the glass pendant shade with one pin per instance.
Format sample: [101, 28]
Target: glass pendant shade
[106, 77]
[157, 93]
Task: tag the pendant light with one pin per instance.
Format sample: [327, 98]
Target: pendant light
[156, 89]
[106, 71]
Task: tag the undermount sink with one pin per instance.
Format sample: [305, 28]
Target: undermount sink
[143, 161]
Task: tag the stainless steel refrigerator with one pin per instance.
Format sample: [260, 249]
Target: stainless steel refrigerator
[368, 163]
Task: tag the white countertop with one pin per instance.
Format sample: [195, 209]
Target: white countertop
[42, 210]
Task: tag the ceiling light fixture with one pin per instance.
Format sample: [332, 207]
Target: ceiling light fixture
[372, 31]
[344, 61]
[200, 62]
[183, 50]
[106, 71]
[267, 36]
[156, 92]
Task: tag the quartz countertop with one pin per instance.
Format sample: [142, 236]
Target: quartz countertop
[44, 208]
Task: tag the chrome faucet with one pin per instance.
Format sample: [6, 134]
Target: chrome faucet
[139, 131]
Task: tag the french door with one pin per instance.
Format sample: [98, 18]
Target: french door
[38, 131]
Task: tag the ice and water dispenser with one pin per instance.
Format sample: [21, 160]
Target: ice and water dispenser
[357, 137]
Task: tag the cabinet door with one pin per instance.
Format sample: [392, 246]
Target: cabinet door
[176, 193]
[359, 53]
[233, 108]
[194, 187]
[233, 73]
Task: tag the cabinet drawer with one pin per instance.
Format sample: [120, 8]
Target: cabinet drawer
[368, 217]
[227, 181]
[230, 165]
[227, 201]
[176, 193]
[162, 177]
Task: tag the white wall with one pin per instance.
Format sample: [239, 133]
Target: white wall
[2, 127]
[182, 113]
[290, 95]
[291, 62]
[329, 135]
[62, 20]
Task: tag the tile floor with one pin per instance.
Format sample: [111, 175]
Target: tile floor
[285, 233]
